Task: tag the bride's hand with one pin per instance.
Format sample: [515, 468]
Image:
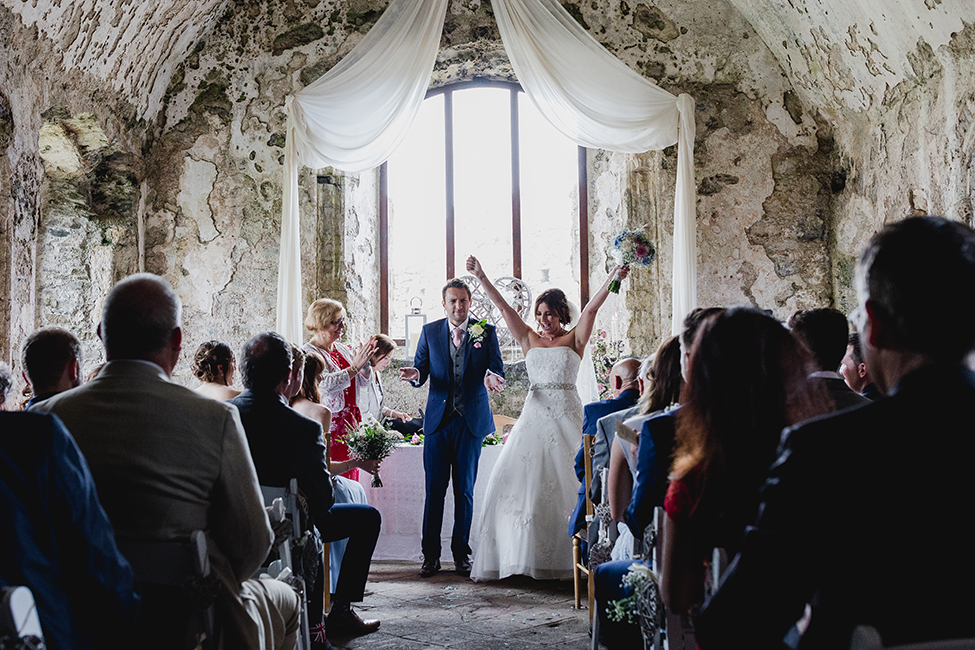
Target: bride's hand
[474, 267]
[620, 271]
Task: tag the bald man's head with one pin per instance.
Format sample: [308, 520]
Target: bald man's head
[140, 318]
[624, 375]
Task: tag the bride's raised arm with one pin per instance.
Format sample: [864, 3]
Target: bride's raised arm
[516, 326]
[583, 329]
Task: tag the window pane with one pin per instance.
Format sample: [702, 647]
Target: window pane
[482, 179]
[549, 205]
[417, 218]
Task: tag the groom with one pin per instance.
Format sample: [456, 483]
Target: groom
[463, 361]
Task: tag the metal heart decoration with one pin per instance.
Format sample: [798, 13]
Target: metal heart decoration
[515, 292]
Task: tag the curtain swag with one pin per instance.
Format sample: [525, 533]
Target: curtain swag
[355, 115]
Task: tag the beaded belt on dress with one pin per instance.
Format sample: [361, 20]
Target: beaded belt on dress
[552, 386]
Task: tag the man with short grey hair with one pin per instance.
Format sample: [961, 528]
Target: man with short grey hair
[167, 461]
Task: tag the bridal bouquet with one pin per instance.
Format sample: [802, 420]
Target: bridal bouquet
[634, 247]
[371, 441]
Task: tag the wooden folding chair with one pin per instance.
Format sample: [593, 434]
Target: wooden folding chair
[579, 567]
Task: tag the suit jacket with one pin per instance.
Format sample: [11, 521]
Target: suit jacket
[834, 526]
[603, 445]
[843, 396]
[168, 461]
[285, 445]
[653, 458]
[432, 359]
[57, 539]
[591, 413]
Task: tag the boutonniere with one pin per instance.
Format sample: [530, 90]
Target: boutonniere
[477, 331]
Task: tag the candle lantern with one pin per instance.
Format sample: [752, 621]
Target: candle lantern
[414, 325]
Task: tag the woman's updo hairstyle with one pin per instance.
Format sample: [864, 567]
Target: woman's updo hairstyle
[557, 302]
[213, 359]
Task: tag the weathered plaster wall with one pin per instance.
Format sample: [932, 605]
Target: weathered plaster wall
[69, 168]
[915, 156]
[760, 164]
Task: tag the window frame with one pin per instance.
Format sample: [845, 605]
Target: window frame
[447, 91]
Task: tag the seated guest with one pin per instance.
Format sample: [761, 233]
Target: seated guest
[606, 425]
[824, 332]
[167, 461]
[307, 401]
[339, 386]
[371, 396]
[625, 392]
[855, 372]
[6, 382]
[656, 444]
[57, 540]
[746, 381]
[830, 529]
[214, 365]
[52, 363]
[286, 445]
[662, 389]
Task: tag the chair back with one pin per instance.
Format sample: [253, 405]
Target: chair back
[289, 496]
[866, 637]
[177, 603]
[19, 619]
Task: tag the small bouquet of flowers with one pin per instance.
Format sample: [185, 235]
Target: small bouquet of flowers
[634, 248]
[371, 441]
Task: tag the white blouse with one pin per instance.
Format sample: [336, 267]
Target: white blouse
[334, 379]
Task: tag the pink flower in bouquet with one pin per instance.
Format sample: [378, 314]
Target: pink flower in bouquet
[504, 438]
[603, 334]
[641, 251]
[415, 440]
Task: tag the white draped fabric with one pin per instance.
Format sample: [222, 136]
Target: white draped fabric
[353, 118]
[356, 114]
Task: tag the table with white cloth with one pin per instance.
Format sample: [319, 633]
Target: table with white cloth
[400, 502]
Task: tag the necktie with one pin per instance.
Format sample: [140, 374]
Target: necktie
[458, 336]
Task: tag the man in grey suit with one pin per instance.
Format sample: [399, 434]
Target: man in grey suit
[167, 461]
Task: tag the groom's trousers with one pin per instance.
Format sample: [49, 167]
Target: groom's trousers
[450, 454]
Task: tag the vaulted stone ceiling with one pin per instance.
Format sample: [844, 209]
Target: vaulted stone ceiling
[843, 56]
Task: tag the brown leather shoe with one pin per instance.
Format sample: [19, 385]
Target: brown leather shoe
[430, 566]
[348, 623]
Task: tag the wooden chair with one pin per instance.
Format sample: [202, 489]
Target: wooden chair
[168, 615]
[866, 637]
[502, 421]
[580, 568]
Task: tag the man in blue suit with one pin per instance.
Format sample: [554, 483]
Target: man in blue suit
[463, 361]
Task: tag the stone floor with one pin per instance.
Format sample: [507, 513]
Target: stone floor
[448, 611]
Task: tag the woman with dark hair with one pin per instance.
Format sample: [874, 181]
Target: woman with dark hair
[533, 486]
[214, 365]
[372, 397]
[746, 381]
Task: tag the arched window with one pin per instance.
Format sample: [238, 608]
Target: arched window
[483, 173]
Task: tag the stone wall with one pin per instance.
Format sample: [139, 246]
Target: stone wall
[914, 157]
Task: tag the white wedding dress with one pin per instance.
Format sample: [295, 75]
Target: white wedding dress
[533, 487]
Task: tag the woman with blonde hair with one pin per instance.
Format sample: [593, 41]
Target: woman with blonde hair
[339, 382]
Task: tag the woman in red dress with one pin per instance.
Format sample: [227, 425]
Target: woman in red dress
[340, 379]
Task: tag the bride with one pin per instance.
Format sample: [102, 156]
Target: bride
[533, 486]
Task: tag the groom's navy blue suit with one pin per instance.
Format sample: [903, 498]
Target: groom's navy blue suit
[452, 438]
